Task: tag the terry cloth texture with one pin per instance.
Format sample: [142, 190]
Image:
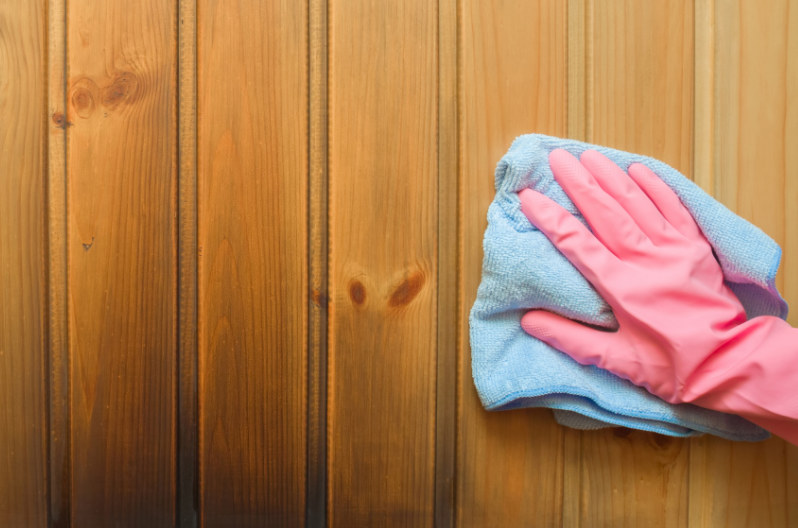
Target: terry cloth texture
[523, 270]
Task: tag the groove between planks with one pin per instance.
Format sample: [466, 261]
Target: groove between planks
[316, 493]
[186, 456]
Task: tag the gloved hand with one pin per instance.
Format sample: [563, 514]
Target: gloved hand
[682, 333]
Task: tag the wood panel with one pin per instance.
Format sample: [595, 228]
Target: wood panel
[383, 265]
[639, 98]
[514, 81]
[250, 234]
[252, 200]
[121, 161]
[23, 292]
[748, 145]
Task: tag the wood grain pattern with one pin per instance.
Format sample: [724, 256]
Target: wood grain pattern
[742, 484]
[240, 242]
[754, 125]
[23, 285]
[383, 265]
[121, 158]
[252, 192]
[633, 478]
[514, 81]
[642, 70]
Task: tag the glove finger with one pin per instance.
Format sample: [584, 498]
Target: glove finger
[666, 200]
[627, 193]
[584, 344]
[569, 236]
[609, 221]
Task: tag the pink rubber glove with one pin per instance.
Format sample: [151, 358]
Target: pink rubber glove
[682, 333]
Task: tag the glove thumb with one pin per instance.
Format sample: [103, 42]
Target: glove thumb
[584, 344]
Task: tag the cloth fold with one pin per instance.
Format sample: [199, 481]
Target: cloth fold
[523, 270]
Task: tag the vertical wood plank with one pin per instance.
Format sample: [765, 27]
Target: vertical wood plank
[642, 101]
[187, 397]
[23, 285]
[59, 421]
[252, 192]
[514, 81]
[121, 160]
[754, 125]
[642, 87]
[383, 265]
[580, 115]
[633, 478]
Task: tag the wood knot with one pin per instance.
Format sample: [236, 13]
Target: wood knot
[82, 97]
[407, 290]
[60, 120]
[661, 441]
[357, 292]
[123, 89]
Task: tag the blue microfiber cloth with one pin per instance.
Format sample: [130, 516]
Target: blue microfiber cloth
[523, 270]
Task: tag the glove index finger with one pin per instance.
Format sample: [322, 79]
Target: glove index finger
[568, 235]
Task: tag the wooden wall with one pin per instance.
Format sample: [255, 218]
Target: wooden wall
[239, 242]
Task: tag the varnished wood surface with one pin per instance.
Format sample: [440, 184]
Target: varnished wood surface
[239, 242]
[23, 250]
[383, 264]
[121, 199]
[252, 203]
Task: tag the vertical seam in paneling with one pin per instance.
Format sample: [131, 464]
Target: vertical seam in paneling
[44, 372]
[459, 246]
[69, 492]
[703, 140]
[328, 326]
[187, 433]
[447, 282]
[317, 248]
[704, 83]
[579, 110]
[57, 359]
